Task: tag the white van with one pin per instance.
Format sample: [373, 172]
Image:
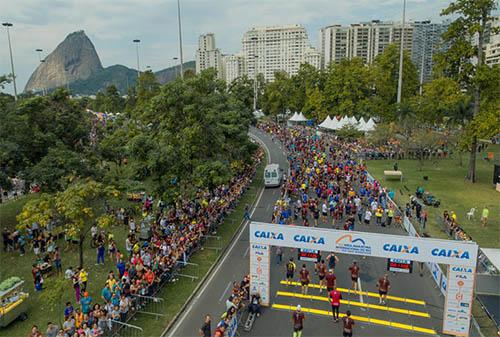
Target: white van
[272, 175]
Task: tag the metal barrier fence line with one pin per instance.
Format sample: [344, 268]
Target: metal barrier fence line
[217, 245]
[149, 305]
[121, 329]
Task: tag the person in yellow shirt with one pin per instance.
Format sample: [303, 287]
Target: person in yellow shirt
[484, 216]
[78, 318]
[84, 277]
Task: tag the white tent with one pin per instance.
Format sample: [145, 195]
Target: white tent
[343, 122]
[325, 123]
[301, 115]
[334, 124]
[367, 126]
[298, 118]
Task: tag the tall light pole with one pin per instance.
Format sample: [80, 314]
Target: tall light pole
[255, 57]
[137, 41]
[39, 52]
[422, 64]
[400, 78]
[7, 25]
[180, 35]
[175, 66]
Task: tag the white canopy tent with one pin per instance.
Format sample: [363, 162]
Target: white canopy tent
[325, 123]
[297, 118]
[258, 114]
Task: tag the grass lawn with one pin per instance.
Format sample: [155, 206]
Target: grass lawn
[447, 183]
[175, 294]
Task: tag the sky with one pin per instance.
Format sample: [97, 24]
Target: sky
[113, 24]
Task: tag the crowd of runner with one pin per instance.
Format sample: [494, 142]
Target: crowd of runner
[327, 184]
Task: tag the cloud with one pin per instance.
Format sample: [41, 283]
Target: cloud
[113, 24]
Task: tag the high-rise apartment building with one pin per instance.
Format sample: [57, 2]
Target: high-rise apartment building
[279, 48]
[207, 55]
[492, 47]
[427, 41]
[233, 66]
[365, 40]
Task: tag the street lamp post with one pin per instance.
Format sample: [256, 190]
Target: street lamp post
[180, 35]
[175, 66]
[255, 57]
[7, 25]
[400, 77]
[137, 41]
[39, 52]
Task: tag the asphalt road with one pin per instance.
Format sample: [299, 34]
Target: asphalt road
[276, 321]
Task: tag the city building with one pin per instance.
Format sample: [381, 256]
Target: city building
[278, 48]
[233, 66]
[365, 40]
[312, 56]
[427, 41]
[207, 55]
[492, 47]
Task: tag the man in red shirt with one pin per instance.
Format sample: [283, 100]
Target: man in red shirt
[354, 269]
[298, 321]
[304, 279]
[335, 297]
[348, 324]
[330, 280]
[383, 285]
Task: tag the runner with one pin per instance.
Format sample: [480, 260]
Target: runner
[348, 324]
[205, 330]
[354, 269]
[324, 213]
[368, 216]
[321, 275]
[290, 270]
[335, 297]
[305, 278]
[383, 285]
[331, 280]
[332, 260]
[298, 318]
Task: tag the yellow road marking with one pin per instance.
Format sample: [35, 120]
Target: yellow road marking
[356, 304]
[359, 319]
[366, 293]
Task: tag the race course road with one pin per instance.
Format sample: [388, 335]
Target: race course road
[415, 309]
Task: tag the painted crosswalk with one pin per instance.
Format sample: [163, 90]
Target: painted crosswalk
[369, 320]
[364, 293]
[356, 304]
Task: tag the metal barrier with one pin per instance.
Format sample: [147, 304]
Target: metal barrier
[213, 242]
[149, 305]
[194, 267]
[121, 329]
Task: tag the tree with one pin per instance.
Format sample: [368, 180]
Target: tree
[76, 209]
[347, 85]
[147, 87]
[4, 79]
[440, 99]
[277, 94]
[464, 60]
[55, 289]
[315, 104]
[385, 72]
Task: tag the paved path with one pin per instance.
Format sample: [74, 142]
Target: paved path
[397, 318]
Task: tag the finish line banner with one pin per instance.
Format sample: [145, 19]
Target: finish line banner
[363, 243]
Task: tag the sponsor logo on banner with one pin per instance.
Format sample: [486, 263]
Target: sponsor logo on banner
[390, 247]
[269, 235]
[352, 244]
[309, 239]
[453, 253]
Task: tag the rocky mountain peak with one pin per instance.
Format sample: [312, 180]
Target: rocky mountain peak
[74, 59]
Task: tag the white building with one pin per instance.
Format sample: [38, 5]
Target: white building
[312, 56]
[207, 55]
[233, 66]
[492, 47]
[365, 40]
[278, 48]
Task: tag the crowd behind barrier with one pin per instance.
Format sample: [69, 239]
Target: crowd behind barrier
[173, 234]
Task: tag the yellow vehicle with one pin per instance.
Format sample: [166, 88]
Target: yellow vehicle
[13, 302]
